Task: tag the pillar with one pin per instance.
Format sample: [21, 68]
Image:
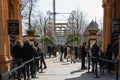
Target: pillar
[9, 10]
[107, 23]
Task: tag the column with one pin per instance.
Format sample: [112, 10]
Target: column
[5, 57]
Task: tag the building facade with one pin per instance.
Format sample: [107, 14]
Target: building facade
[9, 10]
[111, 12]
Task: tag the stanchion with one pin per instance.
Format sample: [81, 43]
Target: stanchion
[96, 69]
[117, 70]
[88, 63]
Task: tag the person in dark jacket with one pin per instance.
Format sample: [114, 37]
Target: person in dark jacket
[28, 51]
[42, 59]
[109, 57]
[65, 52]
[95, 54]
[83, 55]
[61, 52]
[18, 56]
[49, 51]
[76, 52]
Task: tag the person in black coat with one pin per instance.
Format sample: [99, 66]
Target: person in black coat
[28, 51]
[18, 56]
[49, 51]
[76, 52]
[95, 54]
[83, 55]
[42, 59]
[61, 52]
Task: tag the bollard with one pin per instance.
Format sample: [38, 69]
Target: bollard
[117, 70]
[96, 69]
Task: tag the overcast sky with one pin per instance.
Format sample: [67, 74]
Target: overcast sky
[91, 8]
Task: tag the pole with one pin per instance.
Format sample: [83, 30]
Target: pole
[117, 70]
[96, 68]
[117, 63]
[54, 14]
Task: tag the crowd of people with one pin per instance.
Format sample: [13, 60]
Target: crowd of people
[27, 51]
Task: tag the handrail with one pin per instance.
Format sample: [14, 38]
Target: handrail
[116, 62]
[15, 69]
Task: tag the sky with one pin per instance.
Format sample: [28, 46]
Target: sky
[92, 8]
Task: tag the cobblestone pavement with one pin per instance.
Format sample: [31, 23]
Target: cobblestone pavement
[64, 70]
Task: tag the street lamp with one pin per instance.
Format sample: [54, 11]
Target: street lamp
[45, 31]
[54, 20]
[72, 17]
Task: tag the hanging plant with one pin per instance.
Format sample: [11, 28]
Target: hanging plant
[30, 31]
[48, 39]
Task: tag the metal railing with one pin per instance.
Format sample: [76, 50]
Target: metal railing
[106, 60]
[10, 74]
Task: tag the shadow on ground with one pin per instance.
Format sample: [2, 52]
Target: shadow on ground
[91, 76]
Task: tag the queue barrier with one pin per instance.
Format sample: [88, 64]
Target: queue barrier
[96, 68]
[9, 75]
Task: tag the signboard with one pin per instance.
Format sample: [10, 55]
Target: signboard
[116, 26]
[13, 27]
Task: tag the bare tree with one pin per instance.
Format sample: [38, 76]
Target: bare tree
[27, 10]
[82, 22]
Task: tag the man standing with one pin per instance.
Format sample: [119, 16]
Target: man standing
[83, 55]
[62, 51]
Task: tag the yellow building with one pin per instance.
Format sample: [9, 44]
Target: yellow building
[111, 12]
[9, 10]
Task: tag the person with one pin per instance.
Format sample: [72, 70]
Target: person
[83, 55]
[61, 52]
[65, 52]
[42, 60]
[28, 51]
[49, 51]
[18, 56]
[109, 57]
[36, 44]
[95, 55]
[102, 62]
[76, 52]
[35, 61]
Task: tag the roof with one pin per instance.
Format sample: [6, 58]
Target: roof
[92, 26]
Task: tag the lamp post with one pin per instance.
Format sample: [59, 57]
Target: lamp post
[73, 13]
[54, 18]
[45, 32]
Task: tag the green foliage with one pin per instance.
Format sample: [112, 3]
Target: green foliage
[49, 40]
[30, 31]
[76, 38]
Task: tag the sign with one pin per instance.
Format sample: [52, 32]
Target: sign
[116, 26]
[13, 27]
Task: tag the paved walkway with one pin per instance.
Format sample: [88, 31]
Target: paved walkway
[64, 70]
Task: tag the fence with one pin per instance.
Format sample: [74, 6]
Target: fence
[10, 74]
[96, 66]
